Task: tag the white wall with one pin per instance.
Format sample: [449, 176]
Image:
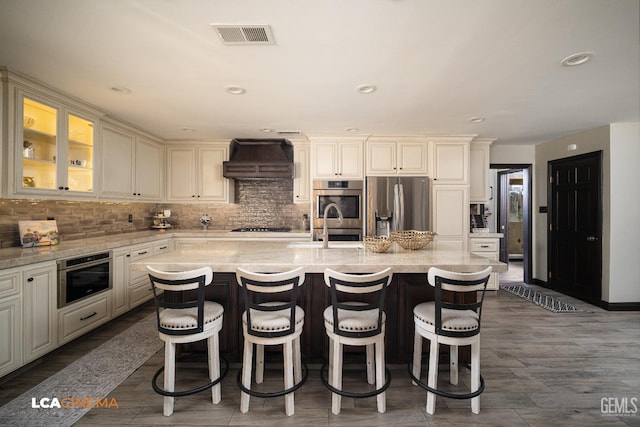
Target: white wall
[624, 282]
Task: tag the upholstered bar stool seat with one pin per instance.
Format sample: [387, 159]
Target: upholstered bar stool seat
[356, 323]
[453, 324]
[189, 320]
[271, 317]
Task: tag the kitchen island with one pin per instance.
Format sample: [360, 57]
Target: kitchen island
[408, 288]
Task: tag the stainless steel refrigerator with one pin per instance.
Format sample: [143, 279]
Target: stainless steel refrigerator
[396, 203]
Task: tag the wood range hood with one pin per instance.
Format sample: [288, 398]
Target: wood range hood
[259, 158]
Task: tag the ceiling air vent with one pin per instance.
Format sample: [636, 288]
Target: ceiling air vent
[244, 34]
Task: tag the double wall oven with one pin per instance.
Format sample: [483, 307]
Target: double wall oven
[348, 195]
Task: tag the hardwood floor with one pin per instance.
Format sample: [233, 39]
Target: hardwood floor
[540, 369]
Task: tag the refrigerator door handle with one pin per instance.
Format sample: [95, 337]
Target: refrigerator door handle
[398, 207]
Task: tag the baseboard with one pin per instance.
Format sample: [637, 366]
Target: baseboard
[620, 306]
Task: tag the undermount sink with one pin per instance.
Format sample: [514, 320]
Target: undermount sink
[332, 245]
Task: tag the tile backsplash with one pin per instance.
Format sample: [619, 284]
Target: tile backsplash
[266, 203]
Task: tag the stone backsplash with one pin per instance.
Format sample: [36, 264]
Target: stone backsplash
[266, 203]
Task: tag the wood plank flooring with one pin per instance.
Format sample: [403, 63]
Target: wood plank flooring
[540, 369]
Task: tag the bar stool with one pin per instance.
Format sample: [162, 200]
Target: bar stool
[267, 320]
[356, 323]
[452, 324]
[189, 320]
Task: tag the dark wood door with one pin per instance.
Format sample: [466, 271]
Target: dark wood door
[575, 227]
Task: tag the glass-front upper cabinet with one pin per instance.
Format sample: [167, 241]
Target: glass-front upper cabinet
[57, 149]
[40, 145]
[80, 154]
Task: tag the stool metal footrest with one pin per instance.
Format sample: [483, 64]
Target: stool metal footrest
[355, 395]
[305, 374]
[204, 387]
[445, 393]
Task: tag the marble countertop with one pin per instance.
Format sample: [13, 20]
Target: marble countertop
[18, 256]
[225, 256]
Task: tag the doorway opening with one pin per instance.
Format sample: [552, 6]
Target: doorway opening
[510, 214]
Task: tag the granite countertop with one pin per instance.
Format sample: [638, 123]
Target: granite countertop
[486, 234]
[18, 256]
[263, 256]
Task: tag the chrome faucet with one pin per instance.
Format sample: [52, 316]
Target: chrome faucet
[325, 232]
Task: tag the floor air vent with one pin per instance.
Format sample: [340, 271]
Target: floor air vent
[244, 34]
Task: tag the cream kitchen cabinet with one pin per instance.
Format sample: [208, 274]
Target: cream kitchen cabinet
[487, 245]
[139, 289]
[479, 153]
[338, 158]
[301, 176]
[79, 318]
[120, 282]
[450, 214]
[194, 174]
[10, 320]
[396, 156]
[450, 159]
[53, 147]
[39, 310]
[132, 166]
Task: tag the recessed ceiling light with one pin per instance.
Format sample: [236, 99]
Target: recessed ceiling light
[577, 59]
[366, 88]
[185, 129]
[352, 129]
[235, 90]
[266, 130]
[476, 119]
[121, 90]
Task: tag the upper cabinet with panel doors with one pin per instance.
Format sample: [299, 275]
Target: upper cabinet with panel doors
[337, 158]
[194, 173]
[450, 159]
[397, 156]
[301, 175]
[132, 165]
[479, 170]
[53, 147]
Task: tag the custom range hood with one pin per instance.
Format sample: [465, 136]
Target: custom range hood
[259, 158]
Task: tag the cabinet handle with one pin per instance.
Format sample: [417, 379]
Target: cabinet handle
[484, 246]
[89, 316]
[30, 279]
[193, 195]
[128, 255]
[142, 253]
[162, 247]
[60, 188]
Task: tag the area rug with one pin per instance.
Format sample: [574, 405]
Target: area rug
[548, 302]
[65, 397]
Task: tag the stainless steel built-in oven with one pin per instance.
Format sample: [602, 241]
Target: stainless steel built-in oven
[348, 195]
[83, 276]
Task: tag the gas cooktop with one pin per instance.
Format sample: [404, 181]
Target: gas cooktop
[263, 229]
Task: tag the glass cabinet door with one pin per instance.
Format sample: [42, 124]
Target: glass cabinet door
[80, 154]
[40, 145]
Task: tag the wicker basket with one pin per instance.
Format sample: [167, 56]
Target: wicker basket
[412, 239]
[377, 244]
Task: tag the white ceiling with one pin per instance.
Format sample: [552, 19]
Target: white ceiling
[436, 63]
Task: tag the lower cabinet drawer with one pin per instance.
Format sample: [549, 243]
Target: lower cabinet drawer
[80, 318]
[485, 245]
